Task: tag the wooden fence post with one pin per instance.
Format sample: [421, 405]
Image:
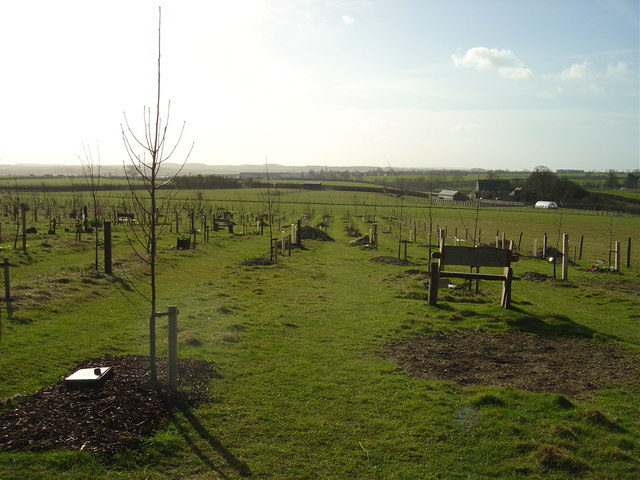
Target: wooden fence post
[629, 252]
[581, 243]
[544, 245]
[616, 258]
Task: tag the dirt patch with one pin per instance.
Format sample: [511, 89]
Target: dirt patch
[569, 366]
[310, 233]
[536, 277]
[391, 261]
[107, 418]
[257, 262]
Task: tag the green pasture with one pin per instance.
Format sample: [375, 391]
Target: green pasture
[525, 226]
[302, 387]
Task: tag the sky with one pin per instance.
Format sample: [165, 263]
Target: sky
[458, 84]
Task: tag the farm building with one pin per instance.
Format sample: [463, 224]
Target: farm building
[546, 204]
[451, 195]
[491, 189]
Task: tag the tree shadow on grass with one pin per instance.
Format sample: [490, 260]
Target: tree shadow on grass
[238, 465]
[553, 325]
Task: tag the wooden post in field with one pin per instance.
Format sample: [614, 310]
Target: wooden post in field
[504, 240]
[544, 245]
[173, 348]
[616, 257]
[580, 250]
[7, 285]
[433, 283]
[108, 258]
[519, 241]
[565, 256]
[24, 208]
[629, 252]
[374, 235]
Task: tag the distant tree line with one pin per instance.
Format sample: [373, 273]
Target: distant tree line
[543, 184]
[212, 181]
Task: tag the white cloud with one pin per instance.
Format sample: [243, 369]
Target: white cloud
[578, 71]
[503, 61]
[617, 71]
[347, 20]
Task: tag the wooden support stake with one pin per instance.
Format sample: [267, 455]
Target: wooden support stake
[108, 258]
[506, 288]
[173, 348]
[7, 285]
[629, 252]
[565, 256]
[433, 283]
[616, 261]
[580, 250]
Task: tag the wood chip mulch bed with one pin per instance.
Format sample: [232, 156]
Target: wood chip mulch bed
[106, 418]
[569, 366]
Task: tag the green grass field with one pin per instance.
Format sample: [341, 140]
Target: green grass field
[303, 389]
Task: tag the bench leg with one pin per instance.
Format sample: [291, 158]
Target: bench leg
[434, 275]
[506, 288]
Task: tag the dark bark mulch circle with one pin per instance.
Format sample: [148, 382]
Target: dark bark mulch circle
[311, 233]
[536, 277]
[569, 366]
[105, 418]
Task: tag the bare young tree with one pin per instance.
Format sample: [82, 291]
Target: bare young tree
[269, 206]
[91, 170]
[147, 154]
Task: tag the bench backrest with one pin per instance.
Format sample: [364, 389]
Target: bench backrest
[473, 256]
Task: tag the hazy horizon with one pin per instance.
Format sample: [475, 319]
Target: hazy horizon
[404, 84]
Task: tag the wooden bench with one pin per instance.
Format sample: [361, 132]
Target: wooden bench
[125, 218]
[471, 257]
